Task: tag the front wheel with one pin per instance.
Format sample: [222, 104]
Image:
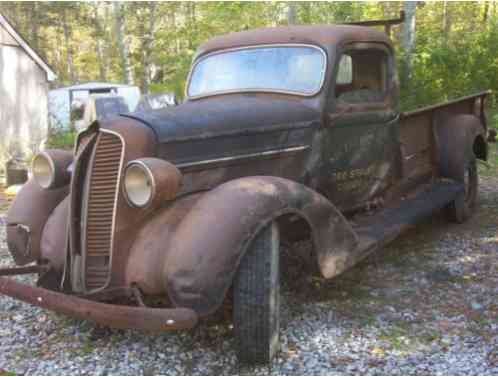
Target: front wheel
[464, 205]
[256, 299]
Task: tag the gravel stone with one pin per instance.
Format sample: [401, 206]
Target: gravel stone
[426, 304]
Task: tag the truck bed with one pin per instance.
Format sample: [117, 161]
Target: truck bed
[418, 143]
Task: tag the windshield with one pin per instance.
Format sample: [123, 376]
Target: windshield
[296, 69]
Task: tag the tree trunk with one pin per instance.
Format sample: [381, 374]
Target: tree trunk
[122, 45]
[408, 39]
[69, 48]
[446, 21]
[177, 39]
[58, 56]
[34, 19]
[191, 24]
[99, 41]
[486, 13]
[147, 47]
[291, 13]
[107, 40]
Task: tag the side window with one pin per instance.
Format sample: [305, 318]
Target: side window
[362, 76]
[345, 72]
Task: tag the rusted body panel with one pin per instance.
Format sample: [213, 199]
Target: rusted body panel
[25, 222]
[199, 254]
[325, 36]
[362, 163]
[54, 238]
[148, 251]
[466, 133]
[442, 120]
[122, 317]
[222, 168]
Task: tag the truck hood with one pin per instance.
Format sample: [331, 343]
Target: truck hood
[226, 115]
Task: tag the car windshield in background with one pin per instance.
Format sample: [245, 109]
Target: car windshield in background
[294, 69]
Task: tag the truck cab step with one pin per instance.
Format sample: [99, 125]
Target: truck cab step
[382, 227]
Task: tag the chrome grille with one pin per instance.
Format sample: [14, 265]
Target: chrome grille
[100, 207]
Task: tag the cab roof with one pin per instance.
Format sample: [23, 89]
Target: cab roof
[325, 36]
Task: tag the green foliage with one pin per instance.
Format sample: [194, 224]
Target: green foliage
[456, 47]
[462, 60]
[491, 170]
[61, 139]
[494, 118]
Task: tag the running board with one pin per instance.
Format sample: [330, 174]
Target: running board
[379, 229]
[388, 223]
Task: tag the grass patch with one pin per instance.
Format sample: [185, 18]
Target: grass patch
[400, 258]
[7, 373]
[429, 336]
[402, 337]
[344, 290]
[87, 347]
[492, 115]
[397, 336]
[366, 318]
[358, 293]
[492, 169]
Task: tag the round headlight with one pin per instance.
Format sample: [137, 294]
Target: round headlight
[50, 168]
[138, 184]
[43, 170]
[149, 182]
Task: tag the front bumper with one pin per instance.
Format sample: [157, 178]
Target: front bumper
[116, 316]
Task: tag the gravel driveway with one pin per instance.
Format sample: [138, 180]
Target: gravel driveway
[427, 304]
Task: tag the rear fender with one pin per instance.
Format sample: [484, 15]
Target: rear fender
[26, 218]
[456, 137]
[207, 245]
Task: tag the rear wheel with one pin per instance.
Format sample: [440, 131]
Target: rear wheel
[464, 205]
[256, 299]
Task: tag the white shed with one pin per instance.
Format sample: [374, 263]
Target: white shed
[24, 78]
[61, 99]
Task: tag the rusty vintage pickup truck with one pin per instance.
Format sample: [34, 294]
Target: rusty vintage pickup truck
[284, 131]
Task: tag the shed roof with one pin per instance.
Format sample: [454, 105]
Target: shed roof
[94, 85]
[7, 25]
[326, 36]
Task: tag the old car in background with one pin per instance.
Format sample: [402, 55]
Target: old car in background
[97, 107]
[284, 131]
[156, 101]
[61, 101]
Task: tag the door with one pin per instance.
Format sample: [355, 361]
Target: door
[361, 135]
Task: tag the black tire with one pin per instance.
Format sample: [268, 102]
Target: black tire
[256, 299]
[463, 207]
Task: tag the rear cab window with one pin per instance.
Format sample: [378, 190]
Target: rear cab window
[362, 75]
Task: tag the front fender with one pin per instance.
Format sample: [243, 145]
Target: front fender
[26, 219]
[207, 245]
[53, 242]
